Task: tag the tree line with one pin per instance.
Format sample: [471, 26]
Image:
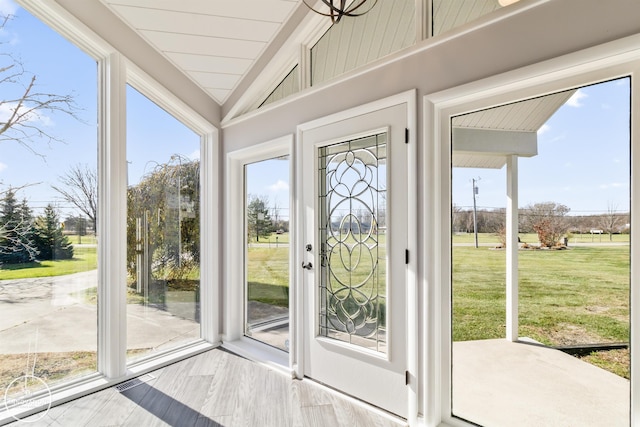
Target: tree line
[549, 220]
[26, 238]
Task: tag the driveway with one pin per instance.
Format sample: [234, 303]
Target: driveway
[53, 314]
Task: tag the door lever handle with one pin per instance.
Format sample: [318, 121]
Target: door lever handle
[307, 265]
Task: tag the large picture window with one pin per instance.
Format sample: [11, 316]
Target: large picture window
[48, 209]
[540, 254]
[163, 229]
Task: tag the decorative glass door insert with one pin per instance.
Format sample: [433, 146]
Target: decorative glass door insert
[352, 200]
[354, 192]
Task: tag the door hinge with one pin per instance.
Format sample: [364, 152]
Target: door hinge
[406, 377]
[406, 256]
[406, 135]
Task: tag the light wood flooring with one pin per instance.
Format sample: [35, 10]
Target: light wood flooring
[216, 388]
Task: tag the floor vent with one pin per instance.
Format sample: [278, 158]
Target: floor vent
[134, 382]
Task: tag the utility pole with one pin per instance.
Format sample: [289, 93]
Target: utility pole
[475, 222]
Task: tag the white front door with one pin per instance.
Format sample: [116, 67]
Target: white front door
[355, 241]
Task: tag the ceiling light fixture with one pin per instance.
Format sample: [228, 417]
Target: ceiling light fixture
[506, 2]
[340, 8]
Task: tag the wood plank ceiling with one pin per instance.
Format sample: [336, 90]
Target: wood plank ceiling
[214, 42]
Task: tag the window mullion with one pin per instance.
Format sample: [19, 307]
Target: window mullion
[112, 176]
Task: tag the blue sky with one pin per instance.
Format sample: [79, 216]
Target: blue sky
[153, 135]
[40, 49]
[583, 159]
[270, 178]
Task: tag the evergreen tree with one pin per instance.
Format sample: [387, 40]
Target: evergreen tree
[28, 229]
[16, 231]
[258, 218]
[50, 240]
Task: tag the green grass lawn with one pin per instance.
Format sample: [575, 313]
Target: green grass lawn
[574, 296]
[268, 275]
[532, 238]
[586, 287]
[580, 295]
[88, 239]
[273, 239]
[84, 259]
[569, 297]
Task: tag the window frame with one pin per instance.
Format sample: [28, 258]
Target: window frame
[114, 71]
[209, 271]
[599, 64]
[234, 318]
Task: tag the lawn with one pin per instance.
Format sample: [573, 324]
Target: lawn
[273, 239]
[52, 368]
[268, 275]
[532, 238]
[568, 297]
[84, 259]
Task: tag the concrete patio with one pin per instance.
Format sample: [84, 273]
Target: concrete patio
[497, 381]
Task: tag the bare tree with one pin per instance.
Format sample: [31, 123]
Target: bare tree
[81, 190]
[23, 109]
[611, 220]
[455, 214]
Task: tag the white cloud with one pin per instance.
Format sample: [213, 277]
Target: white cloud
[2, 166]
[8, 7]
[279, 186]
[195, 155]
[611, 185]
[554, 139]
[544, 129]
[576, 98]
[6, 110]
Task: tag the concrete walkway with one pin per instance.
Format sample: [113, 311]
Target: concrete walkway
[55, 315]
[501, 384]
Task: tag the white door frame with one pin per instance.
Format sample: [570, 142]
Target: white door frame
[234, 300]
[409, 99]
[606, 62]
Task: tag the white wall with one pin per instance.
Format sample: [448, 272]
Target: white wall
[545, 30]
[539, 31]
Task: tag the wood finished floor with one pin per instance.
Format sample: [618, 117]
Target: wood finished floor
[215, 388]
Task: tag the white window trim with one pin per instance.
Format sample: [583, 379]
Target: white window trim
[234, 338]
[609, 61]
[113, 71]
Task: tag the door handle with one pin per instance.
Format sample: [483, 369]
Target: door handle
[307, 265]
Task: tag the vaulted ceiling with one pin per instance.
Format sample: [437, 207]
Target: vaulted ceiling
[217, 42]
[214, 42]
